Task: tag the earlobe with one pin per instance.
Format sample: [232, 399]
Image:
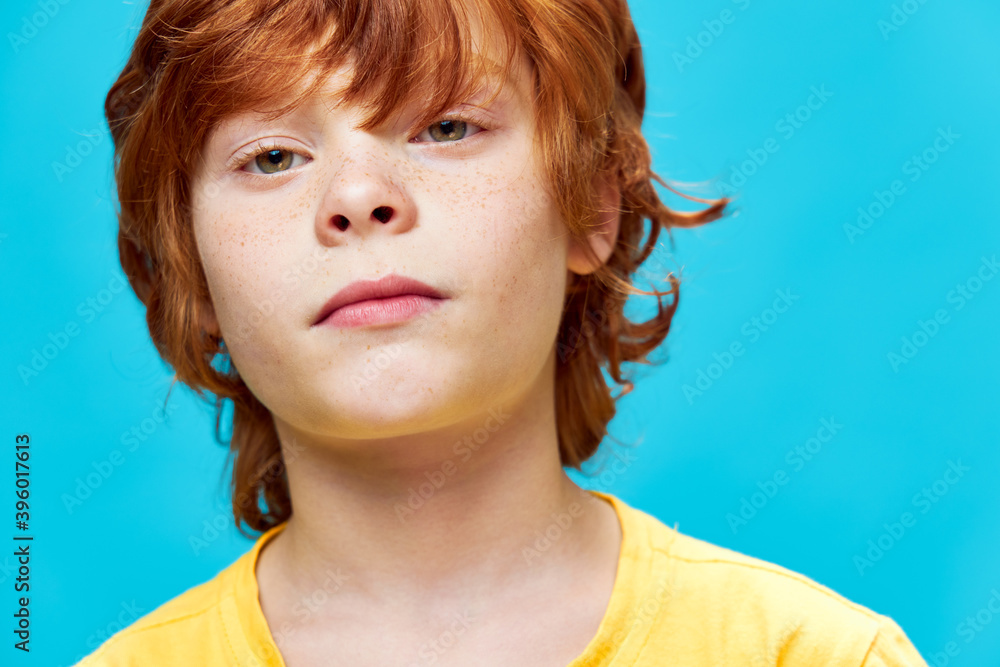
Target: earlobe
[603, 236]
[207, 320]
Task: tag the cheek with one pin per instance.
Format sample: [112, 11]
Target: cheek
[518, 269]
[247, 270]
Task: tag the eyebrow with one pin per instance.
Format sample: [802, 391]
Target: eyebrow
[491, 89]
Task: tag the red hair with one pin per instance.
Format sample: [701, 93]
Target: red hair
[196, 62]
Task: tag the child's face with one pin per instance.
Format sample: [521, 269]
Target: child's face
[469, 217]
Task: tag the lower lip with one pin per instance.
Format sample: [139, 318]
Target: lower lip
[380, 311]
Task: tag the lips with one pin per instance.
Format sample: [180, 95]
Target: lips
[384, 288]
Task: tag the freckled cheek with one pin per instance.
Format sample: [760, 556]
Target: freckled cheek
[518, 265]
[242, 259]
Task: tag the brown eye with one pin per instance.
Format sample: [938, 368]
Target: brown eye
[448, 130]
[273, 161]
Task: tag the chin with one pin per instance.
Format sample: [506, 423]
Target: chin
[365, 421]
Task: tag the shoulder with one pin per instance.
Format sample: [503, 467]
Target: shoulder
[745, 608]
[179, 628]
[763, 588]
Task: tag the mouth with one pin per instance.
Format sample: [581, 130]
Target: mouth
[392, 298]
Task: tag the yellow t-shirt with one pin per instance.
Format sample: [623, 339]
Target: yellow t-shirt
[677, 601]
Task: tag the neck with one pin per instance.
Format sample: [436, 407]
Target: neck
[476, 506]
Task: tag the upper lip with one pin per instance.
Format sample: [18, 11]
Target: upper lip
[383, 288]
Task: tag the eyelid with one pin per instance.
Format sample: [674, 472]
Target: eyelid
[471, 116]
[244, 156]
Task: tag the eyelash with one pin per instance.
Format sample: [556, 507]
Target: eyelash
[246, 156]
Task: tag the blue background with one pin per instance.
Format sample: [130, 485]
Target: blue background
[125, 549]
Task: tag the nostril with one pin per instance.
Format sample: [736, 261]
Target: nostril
[341, 222]
[382, 213]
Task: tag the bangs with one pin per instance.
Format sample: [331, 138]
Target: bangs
[268, 56]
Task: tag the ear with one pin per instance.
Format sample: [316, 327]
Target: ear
[206, 318]
[601, 237]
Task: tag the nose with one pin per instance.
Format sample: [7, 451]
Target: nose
[364, 196]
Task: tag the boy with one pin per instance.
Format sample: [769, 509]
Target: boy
[409, 228]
